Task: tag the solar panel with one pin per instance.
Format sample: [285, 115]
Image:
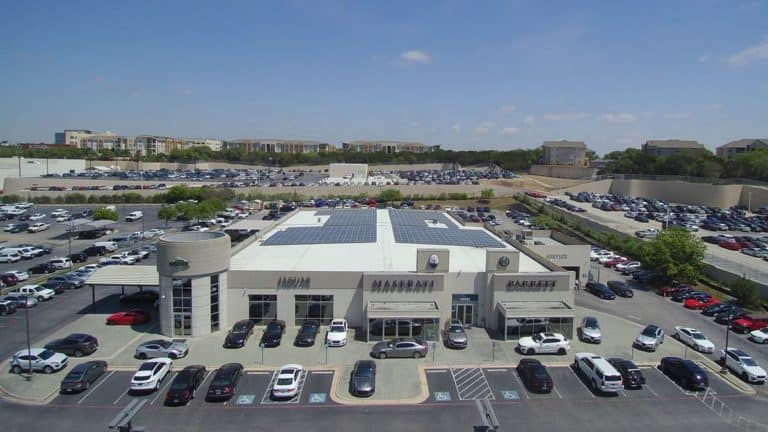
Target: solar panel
[342, 226]
[411, 226]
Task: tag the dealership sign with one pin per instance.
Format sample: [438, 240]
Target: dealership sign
[293, 282]
[402, 285]
[531, 285]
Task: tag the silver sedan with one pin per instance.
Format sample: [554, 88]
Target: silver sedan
[162, 348]
[400, 348]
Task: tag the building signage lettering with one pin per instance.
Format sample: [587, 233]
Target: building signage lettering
[531, 285]
[293, 282]
[557, 256]
[402, 285]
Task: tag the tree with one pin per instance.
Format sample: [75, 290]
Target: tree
[391, 195]
[486, 193]
[104, 213]
[675, 253]
[745, 291]
[167, 213]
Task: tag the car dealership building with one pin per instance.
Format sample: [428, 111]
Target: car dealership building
[389, 272]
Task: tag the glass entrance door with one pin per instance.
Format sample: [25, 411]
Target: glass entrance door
[463, 313]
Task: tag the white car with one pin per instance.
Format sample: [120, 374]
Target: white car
[150, 374]
[694, 339]
[38, 292]
[20, 275]
[743, 365]
[628, 265]
[121, 259]
[287, 382]
[37, 227]
[63, 218]
[544, 343]
[58, 212]
[40, 359]
[337, 333]
[759, 336]
[154, 232]
[605, 258]
[596, 255]
[60, 263]
[37, 216]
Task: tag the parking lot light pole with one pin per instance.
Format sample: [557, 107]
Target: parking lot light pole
[724, 369]
[29, 345]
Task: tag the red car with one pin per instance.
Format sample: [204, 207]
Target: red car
[536, 194]
[748, 323]
[693, 303]
[613, 262]
[9, 279]
[729, 245]
[131, 317]
[670, 290]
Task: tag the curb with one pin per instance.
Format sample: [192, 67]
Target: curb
[344, 399]
[729, 378]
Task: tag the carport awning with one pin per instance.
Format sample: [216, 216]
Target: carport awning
[427, 309]
[534, 309]
[135, 275]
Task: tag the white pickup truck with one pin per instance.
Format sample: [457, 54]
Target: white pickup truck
[36, 291]
[134, 216]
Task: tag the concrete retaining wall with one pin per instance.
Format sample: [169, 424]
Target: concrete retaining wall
[682, 192]
[563, 171]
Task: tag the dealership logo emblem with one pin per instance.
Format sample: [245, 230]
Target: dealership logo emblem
[434, 261]
[503, 261]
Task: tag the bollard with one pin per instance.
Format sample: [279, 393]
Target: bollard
[493, 351]
[261, 345]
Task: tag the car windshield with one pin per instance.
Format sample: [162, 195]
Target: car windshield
[74, 376]
[698, 336]
[456, 329]
[748, 361]
[337, 329]
[590, 323]
[141, 378]
[650, 332]
[284, 381]
[45, 355]
[147, 367]
[241, 328]
[537, 338]
[364, 371]
[540, 372]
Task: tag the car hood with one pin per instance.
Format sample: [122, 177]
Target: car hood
[337, 336]
[457, 337]
[754, 370]
[381, 346]
[57, 358]
[591, 331]
[363, 382]
[758, 334]
[235, 338]
[526, 341]
[704, 343]
[177, 346]
[646, 339]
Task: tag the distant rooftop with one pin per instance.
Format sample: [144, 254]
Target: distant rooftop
[565, 143]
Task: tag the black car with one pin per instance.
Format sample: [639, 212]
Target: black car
[307, 334]
[362, 381]
[82, 376]
[730, 315]
[95, 251]
[76, 344]
[18, 228]
[620, 288]
[685, 372]
[717, 309]
[273, 334]
[184, 386]
[78, 257]
[534, 376]
[631, 375]
[57, 287]
[239, 334]
[601, 290]
[42, 268]
[682, 296]
[224, 382]
[139, 297]
[91, 234]
[641, 218]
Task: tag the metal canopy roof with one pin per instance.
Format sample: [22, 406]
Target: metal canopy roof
[101, 223]
[384, 309]
[129, 275]
[535, 309]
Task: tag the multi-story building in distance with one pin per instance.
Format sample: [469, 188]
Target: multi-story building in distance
[72, 137]
[278, 145]
[734, 148]
[388, 146]
[664, 148]
[573, 153]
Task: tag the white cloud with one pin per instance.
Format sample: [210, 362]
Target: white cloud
[678, 115]
[415, 56]
[620, 118]
[529, 120]
[565, 116]
[184, 92]
[704, 58]
[508, 108]
[749, 54]
[456, 128]
[510, 131]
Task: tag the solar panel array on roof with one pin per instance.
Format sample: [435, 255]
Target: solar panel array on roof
[410, 226]
[343, 226]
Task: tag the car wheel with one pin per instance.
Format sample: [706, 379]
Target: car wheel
[87, 385]
[684, 383]
[48, 370]
[172, 356]
[40, 299]
[416, 354]
[529, 351]
[16, 369]
[561, 351]
[744, 376]
[382, 356]
[78, 353]
[142, 356]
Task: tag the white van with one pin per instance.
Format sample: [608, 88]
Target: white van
[109, 245]
[134, 216]
[602, 376]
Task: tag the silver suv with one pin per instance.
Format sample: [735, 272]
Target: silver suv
[38, 359]
[454, 334]
[650, 338]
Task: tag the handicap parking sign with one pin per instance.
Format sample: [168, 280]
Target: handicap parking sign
[316, 398]
[245, 399]
[442, 396]
[510, 395]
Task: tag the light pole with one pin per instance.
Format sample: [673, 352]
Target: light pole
[749, 202]
[29, 345]
[724, 369]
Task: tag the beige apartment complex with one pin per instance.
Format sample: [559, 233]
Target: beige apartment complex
[388, 146]
[670, 147]
[278, 145]
[572, 153]
[734, 148]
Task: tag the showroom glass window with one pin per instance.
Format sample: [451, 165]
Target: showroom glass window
[182, 307]
[262, 308]
[215, 303]
[313, 307]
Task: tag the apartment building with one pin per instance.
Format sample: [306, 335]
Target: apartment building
[99, 142]
[72, 137]
[388, 147]
[733, 148]
[670, 147]
[278, 145]
[563, 152]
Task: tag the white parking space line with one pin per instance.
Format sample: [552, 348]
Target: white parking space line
[321, 372]
[95, 387]
[583, 386]
[258, 373]
[557, 392]
[651, 390]
[163, 387]
[120, 397]
[520, 382]
[633, 317]
[471, 384]
[496, 370]
[437, 370]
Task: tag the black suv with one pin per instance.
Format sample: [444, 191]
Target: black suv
[273, 334]
[95, 251]
[621, 288]
[685, 372]
[631, 375]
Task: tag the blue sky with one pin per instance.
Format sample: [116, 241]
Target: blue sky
[465, 75]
